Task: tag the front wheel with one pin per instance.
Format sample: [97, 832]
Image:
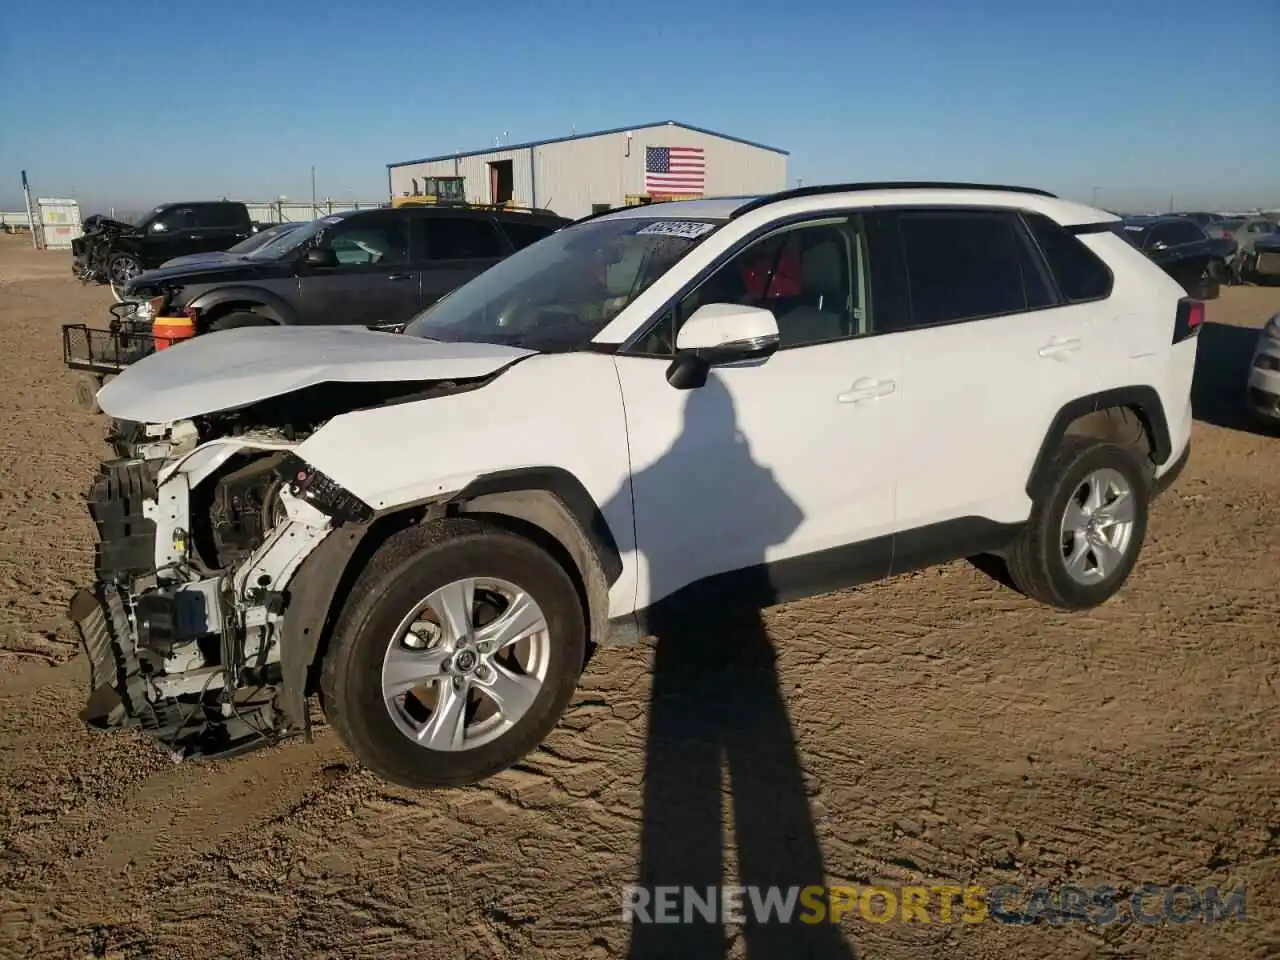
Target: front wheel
[121, 268]
[456, 653]
[1084, 536]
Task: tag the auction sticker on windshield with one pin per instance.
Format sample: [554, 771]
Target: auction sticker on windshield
[688, 229]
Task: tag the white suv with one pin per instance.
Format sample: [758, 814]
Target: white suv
[658, 412]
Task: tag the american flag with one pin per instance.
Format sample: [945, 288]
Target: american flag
[674, 170]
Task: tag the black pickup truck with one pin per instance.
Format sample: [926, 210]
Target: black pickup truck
[1184, 250]
[115, 251]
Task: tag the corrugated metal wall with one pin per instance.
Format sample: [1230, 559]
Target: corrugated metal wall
[569, 176]
[573, 175]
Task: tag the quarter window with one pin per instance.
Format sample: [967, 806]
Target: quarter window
[1081, 275]
[968, 265]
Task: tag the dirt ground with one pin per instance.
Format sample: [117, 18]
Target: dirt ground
[936, 728]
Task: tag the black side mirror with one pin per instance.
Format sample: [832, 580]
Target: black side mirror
[320, 257]
[688, 371]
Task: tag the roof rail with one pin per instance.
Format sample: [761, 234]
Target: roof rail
[597, 214]
[821, 188]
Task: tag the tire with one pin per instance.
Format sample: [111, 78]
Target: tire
[1037, 564]
[241, 318]
[119, 269]
[395, 583]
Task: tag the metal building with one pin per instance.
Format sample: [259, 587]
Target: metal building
[577, 175]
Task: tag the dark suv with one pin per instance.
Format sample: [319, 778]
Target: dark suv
[374, 268]
[116, 251]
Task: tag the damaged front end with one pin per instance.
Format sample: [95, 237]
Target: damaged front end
[182, 626]
[199, 629]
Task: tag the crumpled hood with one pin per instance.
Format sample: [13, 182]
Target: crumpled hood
[233, 368]
[97, 221]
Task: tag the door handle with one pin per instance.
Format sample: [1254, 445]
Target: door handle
[400, 276]
[866, 388]
[1059, 348]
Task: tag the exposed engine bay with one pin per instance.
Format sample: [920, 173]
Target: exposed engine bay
[202, 525]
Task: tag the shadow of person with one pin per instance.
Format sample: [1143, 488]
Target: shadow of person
[1219, 389]
[716, 702]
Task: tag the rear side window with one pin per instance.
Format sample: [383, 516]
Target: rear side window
[461, 238]
[965, 265]
[522, 235]
[1080, 274]
[218, 215]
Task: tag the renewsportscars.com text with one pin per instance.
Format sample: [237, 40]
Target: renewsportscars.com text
[941, 903]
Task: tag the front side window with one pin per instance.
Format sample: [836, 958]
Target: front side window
[808, 275]
[1186, 232]
[174, 219]
[1162, 234]
[558, 294]
[968, 265]
[376, 238]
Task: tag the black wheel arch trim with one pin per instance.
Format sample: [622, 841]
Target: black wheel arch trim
[310, 597]
[268, 304]
[1144, 400]
[310, 604]
[569, 490]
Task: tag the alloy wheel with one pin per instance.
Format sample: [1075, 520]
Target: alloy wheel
[466, 664]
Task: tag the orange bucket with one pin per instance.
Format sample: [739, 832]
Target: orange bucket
[170, 330]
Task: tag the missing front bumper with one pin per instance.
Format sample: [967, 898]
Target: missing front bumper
[204, 726]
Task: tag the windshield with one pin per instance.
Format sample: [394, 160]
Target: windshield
[142, 218]
[557, 294]
[262, 237]
[287, 241]
[1135, 233]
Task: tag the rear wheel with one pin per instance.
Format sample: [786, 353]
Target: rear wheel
[455, 654]
[1084, 535]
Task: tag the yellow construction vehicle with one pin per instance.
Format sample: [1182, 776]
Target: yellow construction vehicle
[433, 190]
[450, 192]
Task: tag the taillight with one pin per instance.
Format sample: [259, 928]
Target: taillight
[1189, 319]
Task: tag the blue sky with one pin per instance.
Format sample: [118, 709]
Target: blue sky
[132, 102]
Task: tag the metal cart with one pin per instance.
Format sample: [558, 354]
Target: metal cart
[97, 354]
